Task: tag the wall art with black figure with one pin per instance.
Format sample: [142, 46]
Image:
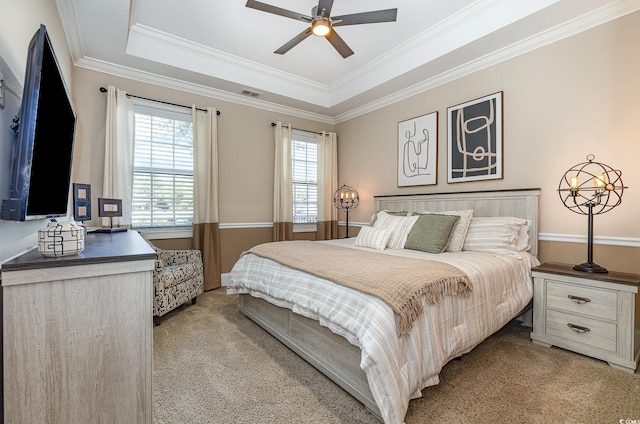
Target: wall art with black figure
[475, 140]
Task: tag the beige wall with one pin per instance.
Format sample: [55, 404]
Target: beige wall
[614, 258]
[245, 143]
[561, 103]
[20, 20]
[245, 148]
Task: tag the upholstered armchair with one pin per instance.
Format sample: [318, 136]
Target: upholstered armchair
[177, 278]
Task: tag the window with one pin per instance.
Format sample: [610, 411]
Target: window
[304, 158]
[163, 167]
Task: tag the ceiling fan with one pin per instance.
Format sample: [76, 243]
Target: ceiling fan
[321, 23]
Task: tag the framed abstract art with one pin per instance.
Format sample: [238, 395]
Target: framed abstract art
[474, 140]
[418, 151]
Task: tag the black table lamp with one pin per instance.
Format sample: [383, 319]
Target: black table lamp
[346, 199]
[591, 188]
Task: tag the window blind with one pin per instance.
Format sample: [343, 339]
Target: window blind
[304, 158]
[163, 167]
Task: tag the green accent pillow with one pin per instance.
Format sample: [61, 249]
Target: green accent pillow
[431, 233]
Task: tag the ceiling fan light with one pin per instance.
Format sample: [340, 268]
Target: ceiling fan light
[320, 27]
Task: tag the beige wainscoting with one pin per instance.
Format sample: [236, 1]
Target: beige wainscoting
[236, 240]
[614, 258]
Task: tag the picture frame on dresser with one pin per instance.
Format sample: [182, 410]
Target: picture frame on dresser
[109, 207]
[418, 151]
[475, 139]
[81, 202]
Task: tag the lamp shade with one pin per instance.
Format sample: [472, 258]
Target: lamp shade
[591, 185]
[346, 198]
[591, 188]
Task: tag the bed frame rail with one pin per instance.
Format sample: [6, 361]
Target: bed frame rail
[331, 354]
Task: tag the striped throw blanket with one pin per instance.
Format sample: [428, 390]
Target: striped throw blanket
[398, 281]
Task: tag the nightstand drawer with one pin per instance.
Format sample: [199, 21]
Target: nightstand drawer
[594, 302]
[592, 332]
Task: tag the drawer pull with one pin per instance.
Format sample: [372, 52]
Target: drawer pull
[579, 300]
[578, 328]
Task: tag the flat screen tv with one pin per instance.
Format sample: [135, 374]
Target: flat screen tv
[42, 154]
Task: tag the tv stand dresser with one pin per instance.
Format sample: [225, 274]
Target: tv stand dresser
[78, 334]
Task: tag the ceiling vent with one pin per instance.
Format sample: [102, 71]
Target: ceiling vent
[250, 93]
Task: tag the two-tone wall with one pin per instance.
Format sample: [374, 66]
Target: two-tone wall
[562, 102]
[245, 148]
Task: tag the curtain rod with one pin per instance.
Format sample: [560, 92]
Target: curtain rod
[273, 124]
[104, 90]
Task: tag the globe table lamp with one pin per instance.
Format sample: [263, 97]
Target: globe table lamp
[591, 188]
[346, 199]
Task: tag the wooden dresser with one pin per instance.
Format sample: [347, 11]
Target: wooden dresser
[593, 314]
[78, 335]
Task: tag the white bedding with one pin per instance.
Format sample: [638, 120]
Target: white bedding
[398, 368]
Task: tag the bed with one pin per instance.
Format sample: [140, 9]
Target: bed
[353, 337]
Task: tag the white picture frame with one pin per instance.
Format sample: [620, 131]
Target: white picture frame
[418, 151]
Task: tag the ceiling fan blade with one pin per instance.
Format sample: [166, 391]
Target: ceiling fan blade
[339, 44]
[294, 41]
[326, 5]
[377, 16]
[278, 11]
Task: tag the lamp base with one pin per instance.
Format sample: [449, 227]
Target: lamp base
[591, 267]
[110, 230]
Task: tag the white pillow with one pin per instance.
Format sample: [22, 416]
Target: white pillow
[493, 234]
[375, 215]
[373, 238]
[398, 225]
[459, 233]
[523, 244]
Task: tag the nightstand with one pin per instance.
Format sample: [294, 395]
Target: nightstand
[597, 315]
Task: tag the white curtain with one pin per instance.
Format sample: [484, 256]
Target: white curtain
[206, 234]
[282, 184]
[118, 154]
[327, 185]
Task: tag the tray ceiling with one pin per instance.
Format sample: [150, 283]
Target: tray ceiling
[222, 48]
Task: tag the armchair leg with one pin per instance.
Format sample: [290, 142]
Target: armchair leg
[157, 320]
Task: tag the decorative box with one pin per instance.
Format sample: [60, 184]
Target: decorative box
[61, 239]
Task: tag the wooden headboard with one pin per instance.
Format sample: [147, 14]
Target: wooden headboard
[521, 203]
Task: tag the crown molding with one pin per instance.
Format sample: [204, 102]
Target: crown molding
[473, 22]
[151, 44]
[176, 84]
[70, 24]
[583, 23]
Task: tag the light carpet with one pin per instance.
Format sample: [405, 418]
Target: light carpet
[213, 365]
